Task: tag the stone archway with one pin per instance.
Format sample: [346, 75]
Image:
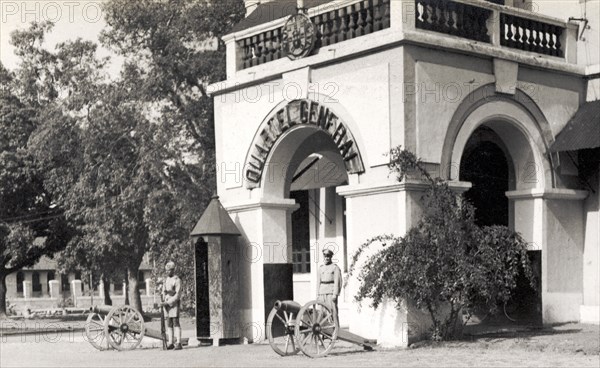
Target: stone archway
[300, 145]
[542, 213]
[487, 164]
[272, 151]
[510, 116]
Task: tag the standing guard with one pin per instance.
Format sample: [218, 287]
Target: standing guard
[172, 295]
[329, 283]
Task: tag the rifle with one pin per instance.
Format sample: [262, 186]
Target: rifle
[163, 332]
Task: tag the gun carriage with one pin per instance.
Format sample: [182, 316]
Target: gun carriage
[311, 328]
[120, 327]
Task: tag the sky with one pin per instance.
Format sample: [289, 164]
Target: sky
[72, 18]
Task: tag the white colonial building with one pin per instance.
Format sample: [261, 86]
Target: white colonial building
[498, 97]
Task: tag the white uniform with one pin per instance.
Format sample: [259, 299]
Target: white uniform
[329, 279]
[172, 295]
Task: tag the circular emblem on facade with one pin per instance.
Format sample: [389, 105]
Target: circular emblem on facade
[299, 35]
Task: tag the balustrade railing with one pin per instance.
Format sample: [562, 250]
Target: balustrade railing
[478, 21]
[337, 25]
[530, 35]
[454, 18]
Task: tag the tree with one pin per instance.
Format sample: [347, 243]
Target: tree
[28, 211]
[174, 48]
[445, 264]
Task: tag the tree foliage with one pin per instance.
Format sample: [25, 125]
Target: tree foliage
[28, 210]
[125, 164]
[174, 50]
[445, 264]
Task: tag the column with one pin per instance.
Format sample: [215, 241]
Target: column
[44, 283]
[54, 289]
[149, 290]
[27, 291]
[101, 292]
[552, 220]
[265, 259]
[377, 209]
[75, 291]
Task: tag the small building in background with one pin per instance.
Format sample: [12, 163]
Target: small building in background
[44, 286]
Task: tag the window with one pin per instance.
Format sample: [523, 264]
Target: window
[301, 233]
[20, 279]
[141, 281]
[64, 282]
[35, 282]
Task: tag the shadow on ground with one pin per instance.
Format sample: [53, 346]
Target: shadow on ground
[572, 338]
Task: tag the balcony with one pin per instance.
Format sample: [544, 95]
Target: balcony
[346, 28]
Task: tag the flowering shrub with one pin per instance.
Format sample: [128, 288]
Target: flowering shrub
[445, 264]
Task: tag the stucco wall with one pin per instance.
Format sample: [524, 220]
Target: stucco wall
[590, 310]
[440, 85]
[562, 275]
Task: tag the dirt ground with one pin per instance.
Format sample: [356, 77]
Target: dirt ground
[567, 345]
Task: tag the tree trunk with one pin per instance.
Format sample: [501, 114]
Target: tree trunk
[126, 288]
[134, 293]
[3, 313]
[106, 286]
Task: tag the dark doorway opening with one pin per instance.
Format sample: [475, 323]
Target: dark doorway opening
[301, 232]
[202, 297]
[486, 166]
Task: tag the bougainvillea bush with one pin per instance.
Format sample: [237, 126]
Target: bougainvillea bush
[445, 264]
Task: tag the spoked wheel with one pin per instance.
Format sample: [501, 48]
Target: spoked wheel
[316, 329]
[124, 328]
[280, 332]
[94, 331]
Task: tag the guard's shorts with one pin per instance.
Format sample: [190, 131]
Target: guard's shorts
[173, 322]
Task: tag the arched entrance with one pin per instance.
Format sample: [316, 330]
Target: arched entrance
[301, 152]
[486, 164]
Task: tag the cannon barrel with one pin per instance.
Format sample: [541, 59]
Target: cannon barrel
[101, 309]
[289, 306]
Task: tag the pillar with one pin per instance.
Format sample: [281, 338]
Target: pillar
[377, 209]
[552, 220]
[44, 283]
[54, 289]
[27, 291]
[149, 290]
[265, 259]
[75, 291]
[101, 291]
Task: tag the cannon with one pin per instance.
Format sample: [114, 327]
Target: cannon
[311, 328]
[120, 327]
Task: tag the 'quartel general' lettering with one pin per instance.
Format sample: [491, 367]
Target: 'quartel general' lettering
[296, 113]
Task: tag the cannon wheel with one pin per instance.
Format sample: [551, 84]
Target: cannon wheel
[94, 331]
[124, 328]
[282, 320]
[316, 330]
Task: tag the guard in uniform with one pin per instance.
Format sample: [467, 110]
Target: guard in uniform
[329, 281]
[171, 297]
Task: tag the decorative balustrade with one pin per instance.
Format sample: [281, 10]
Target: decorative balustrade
[530, 35]
[478, 21]
[454, 18]
[333, 26]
